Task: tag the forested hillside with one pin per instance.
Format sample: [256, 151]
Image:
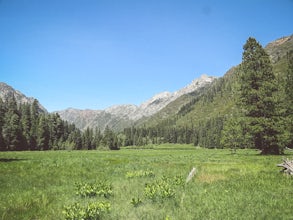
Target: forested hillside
[27, 127]
[202, 119]
[251, 106]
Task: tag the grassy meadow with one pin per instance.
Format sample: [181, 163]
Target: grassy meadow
[144, 184]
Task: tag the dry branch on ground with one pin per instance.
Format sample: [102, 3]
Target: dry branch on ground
[287, 166]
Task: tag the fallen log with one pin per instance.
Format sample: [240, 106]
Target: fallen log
[287, 166]
[191, 174]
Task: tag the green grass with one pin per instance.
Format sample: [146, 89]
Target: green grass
[39, 185]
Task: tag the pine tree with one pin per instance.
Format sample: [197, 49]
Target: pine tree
[11, 130]
[77, 140]
[110, 139]
[97, 138]
[257, 97]
[43, 134]
[57, 131]
[34, 125]
[12, 134]
[233, 135]
[25, 122]
[2, 114]
[87, 139]
[289, 98]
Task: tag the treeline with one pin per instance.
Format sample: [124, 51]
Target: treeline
[26, 127]
[205, 134]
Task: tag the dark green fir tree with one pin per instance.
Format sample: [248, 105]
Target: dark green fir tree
[258, 89]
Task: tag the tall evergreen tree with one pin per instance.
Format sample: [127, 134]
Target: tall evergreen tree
[289, 98]
[43, 134]
[12, 134]
[57, 131]
[11, 130]
[258, 88]
[97, 138]
[25, 125]
[110, 139]
[2, 114]
[34, 125]
[233, 135]
[87, 139]
[77, 140]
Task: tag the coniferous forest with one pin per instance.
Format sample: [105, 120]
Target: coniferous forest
[251, 106]
[26, 127]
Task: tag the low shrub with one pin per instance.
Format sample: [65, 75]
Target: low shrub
[90, 211]
[94, 189]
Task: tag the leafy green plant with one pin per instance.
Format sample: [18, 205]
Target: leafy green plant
[163, 188]
[178, 180]
[96, 209]
[94, 189]
[73, 211]
[159, 189]
[136, 201]
[90, 211]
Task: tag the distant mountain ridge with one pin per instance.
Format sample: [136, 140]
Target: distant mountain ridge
[7, 92]
[158, 101]
[278, 48]
[118, 117]
[165, 105]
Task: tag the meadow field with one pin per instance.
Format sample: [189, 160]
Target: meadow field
[144, 184]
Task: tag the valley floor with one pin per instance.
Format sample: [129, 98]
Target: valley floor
[146, 184]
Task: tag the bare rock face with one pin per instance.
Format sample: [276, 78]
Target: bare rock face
[278, 48]
[7, 92]
[161, 100]
[122, 111]
[120, 116]
[82, 118]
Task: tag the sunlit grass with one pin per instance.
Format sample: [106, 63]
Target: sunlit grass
[39, 185]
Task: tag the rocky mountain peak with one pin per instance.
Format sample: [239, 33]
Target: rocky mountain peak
[156, 99]
[122, 111]
[7, 92]
[278, 48]
[127, 113]
[161, 100]
[203, 80]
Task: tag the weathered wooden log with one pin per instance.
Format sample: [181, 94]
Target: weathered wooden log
[287, 166]
[191, 174]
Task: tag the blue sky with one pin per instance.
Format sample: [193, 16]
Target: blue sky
[97, 53]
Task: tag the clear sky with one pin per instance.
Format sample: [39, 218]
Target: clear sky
[97, 53]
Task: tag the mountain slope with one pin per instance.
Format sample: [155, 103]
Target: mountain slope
[7, 92]
[206, 112]
[118, 117]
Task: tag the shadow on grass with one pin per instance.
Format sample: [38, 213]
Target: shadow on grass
[5, 160]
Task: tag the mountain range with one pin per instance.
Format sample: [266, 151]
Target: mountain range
[118, 117]
[115, 117]
[166, 106]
